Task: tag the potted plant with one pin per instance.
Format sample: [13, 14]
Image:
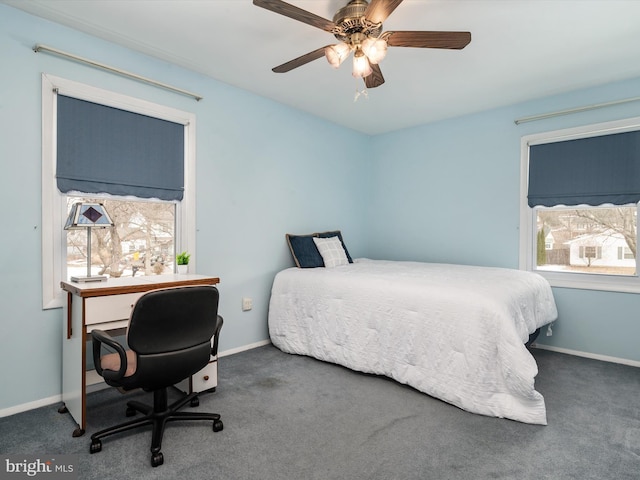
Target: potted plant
[182, 262]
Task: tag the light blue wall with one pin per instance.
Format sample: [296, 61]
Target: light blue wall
[446, 192]
[449, 192]
[261, 172]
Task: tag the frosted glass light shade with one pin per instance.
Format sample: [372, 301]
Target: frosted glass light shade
[361, 67]
[375, 49]
[336, 54]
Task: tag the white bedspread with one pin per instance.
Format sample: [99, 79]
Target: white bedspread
[454, 332]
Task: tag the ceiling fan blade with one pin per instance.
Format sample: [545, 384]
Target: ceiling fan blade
[452, 40]
[291, 11]
[379, 10]
[375, 79]
[302, 60]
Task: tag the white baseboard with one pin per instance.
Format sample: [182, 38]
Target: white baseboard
[7, 412]
[594, 356]
[251, 346]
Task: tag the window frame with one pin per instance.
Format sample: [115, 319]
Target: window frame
[528, 227]
[54, 202]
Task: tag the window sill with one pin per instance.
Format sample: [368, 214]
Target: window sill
[582, 281]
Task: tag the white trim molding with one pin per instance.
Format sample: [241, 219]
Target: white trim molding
[25, 407]
[593, 356]
[244, 348]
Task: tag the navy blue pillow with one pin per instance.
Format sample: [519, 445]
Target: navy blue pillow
[304, 250]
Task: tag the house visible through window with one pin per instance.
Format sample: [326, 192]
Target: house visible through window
[588, 240]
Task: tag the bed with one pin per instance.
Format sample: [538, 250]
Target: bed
[454, 332]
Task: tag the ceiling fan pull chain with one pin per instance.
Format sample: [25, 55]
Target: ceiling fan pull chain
[363, 92]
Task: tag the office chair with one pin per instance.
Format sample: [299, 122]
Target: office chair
[169, 339]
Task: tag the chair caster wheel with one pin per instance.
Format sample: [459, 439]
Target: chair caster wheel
[130, 412]
[96, 446]
[195, 401]
[157, 459]
[218, 426]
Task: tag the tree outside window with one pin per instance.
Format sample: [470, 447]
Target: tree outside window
[141, 242]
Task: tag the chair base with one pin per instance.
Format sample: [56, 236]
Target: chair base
[156, 416]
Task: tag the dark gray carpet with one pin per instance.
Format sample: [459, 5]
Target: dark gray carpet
[292, 417]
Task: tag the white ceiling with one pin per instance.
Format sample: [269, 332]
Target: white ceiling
[520, 50]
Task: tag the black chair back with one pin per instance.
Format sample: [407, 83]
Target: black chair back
[170, 331]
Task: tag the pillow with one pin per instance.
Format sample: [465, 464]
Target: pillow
[331, 251]
[304, 251]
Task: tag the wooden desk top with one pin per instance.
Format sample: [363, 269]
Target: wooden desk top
[117, 286]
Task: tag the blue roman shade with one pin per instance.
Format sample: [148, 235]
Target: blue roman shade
[590, 171]
[107, 150]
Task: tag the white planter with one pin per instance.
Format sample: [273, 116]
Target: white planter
[183, 269]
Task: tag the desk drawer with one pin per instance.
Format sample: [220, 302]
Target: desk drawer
[109, 308]
[206, 378]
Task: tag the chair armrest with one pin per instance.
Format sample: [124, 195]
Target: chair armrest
[100, 337]
[219, 322]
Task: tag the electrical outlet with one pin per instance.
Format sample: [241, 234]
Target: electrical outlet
[247, 304]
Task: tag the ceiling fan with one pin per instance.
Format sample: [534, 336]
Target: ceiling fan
[358, 27]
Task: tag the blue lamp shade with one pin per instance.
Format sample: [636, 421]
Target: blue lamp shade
[88, 215]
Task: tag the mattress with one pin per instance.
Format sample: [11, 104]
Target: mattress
[454, 332]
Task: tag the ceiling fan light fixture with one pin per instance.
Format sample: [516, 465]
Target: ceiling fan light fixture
[361, 67]
[375, 49]
[358, 28]
[336, 54]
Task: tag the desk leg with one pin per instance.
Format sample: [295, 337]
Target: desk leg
[73, 363]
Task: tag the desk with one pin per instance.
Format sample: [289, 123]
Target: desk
[107, 306]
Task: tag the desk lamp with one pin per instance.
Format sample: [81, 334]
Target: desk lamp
[89, 216]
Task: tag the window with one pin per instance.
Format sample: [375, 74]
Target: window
[625, 253]
[587, 240]
[141, 242]
[579, 206]
[135, 252]
[590, 252]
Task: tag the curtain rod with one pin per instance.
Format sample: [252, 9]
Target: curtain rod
[568, 111]
[44, 48]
